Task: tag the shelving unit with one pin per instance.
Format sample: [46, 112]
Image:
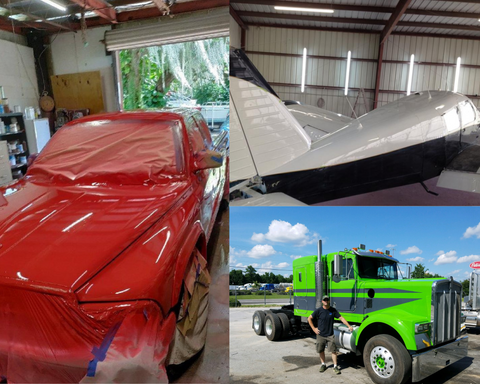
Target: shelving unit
[19, 137]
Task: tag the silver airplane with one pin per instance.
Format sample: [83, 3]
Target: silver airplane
[293, 155]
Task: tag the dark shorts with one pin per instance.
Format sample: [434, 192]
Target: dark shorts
[328, 342]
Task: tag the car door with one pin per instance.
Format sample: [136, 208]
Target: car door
[210, 180]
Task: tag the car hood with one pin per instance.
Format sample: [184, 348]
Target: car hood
[58, 238]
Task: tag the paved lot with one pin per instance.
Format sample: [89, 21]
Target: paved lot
[254, 359]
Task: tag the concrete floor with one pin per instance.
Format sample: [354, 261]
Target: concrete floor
[212, 366]
[413, 194]
[255, 360]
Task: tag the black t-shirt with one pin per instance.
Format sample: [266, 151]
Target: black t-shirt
[324, 318]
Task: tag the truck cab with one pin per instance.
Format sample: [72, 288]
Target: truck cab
[404, 328]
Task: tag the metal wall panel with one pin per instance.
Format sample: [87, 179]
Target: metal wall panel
[331, 73]
[235, 33]
[325, 72]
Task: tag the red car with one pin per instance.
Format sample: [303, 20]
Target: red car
[103, 272]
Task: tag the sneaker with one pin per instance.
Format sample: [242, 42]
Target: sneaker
[323, 368]
[337, 370]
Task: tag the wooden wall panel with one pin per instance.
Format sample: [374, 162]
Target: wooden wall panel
[79, 91]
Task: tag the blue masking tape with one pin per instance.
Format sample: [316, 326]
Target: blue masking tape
[101, 353]
[217, 159]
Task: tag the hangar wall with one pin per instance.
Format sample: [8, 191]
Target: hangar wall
[70, 55]
[17, 75]
[235, 33]
[277, 53]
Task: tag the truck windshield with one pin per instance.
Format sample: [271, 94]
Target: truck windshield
[376, 268]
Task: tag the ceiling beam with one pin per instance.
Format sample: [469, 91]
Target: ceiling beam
[394, 19]
[328, 19]
[237, 18]
[100, 7]
[152, 12]
[351, 20]
[368, 31]
[6, 25]
[358, 8]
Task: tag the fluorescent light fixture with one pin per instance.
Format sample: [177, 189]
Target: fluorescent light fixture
[410, 75]
[349, 57]
[18, 17]
[55, 5]
[304, 68]
[457, 74]
[298, 9]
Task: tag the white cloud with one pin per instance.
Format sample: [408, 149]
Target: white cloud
[270, 267]
[390, 245]
[472, 231]
[294, 257]
[430, 260]
[410, 250]
[283, 232]
[440, 253]
[380, 249]
[455, 272]
[258, 237]
[446, 258]
[261, 251]
[416, 259]
[469, 259]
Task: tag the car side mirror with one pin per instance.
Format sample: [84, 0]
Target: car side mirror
[207, 159]
[337, 268]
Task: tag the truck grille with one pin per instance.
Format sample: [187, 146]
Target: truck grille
[446, 304]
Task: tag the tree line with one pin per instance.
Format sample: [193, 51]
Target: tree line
[239, 277]
[420, 273]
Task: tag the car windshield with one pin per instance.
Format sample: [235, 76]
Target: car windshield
[122, 151]
[377, 268]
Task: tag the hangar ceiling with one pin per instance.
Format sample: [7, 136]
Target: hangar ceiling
[21, 16]
[435, 18]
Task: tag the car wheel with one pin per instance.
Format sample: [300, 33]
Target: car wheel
[386, 360]
[258, 323]
[273, 327]
[191, 327]
[285, 324]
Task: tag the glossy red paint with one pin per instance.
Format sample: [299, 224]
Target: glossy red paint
[99, 235]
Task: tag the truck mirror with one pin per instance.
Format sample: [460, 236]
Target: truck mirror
[337, 265]
[409, 272]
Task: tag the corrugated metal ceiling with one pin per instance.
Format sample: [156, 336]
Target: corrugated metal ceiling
[460, 19]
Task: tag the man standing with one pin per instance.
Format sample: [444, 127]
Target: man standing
[323, 316]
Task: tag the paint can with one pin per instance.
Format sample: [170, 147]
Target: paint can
[17, 109]
[12, 159]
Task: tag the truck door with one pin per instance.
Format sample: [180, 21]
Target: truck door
[343, 290]
[300, 293]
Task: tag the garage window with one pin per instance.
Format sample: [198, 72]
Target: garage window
[173, 62]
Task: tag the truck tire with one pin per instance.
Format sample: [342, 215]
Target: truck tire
[386, 360]
[285, 324]
[258, 323]
[273, 327]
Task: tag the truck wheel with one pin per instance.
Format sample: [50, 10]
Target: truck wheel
[258, 323]
[285, 324]
[273, 327]
[386, 360]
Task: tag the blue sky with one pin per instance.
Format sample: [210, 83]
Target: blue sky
[444, 239]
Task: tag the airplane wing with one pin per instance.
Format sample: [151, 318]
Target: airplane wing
[266, 133]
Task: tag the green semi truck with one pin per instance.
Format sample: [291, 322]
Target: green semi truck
[405, 328]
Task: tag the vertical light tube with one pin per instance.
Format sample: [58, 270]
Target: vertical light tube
[349, 57]
[410, 76]
[457, 74]
[304, 68]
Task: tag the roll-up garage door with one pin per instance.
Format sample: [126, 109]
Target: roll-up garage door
[192, 26]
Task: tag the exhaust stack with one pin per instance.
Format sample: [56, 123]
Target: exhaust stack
[319, 272]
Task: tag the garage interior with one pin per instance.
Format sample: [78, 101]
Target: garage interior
[62, 61]
[383, 38]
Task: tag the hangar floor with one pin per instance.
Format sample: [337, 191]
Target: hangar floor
[413, 194]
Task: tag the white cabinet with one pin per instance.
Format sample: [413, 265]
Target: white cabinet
[5, 170]
[38, 134]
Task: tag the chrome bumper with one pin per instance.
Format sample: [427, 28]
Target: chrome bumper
[427, 363]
